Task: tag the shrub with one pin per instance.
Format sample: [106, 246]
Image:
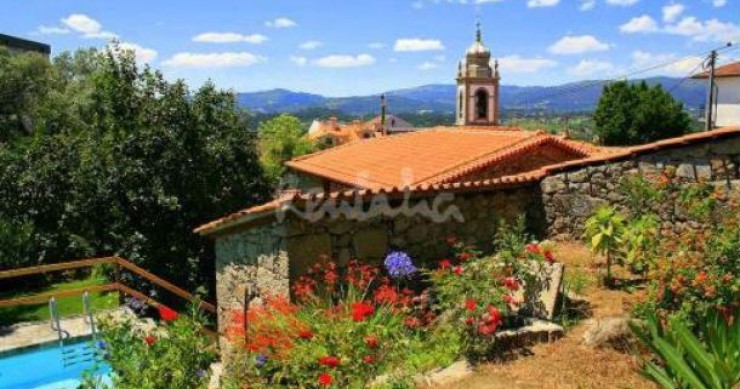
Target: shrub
[175, 354]
[604, 231]
[348, 327]
[687, 361]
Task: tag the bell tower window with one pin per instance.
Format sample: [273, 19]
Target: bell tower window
[481, 105]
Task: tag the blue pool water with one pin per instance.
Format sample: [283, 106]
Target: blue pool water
[44, 367]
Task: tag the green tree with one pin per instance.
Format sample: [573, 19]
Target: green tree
[130, 167]
[281, 139]
[631, 114]
[605, 233]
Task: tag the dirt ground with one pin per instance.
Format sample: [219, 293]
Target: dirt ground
[567, 363]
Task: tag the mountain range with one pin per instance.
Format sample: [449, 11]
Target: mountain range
[570, 97]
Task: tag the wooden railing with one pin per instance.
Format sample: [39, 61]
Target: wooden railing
[117, 285]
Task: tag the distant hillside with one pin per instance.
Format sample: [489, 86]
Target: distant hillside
[578, 96]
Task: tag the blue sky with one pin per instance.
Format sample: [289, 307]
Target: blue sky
[342, 47]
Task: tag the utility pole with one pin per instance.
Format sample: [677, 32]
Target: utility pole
[711, 63]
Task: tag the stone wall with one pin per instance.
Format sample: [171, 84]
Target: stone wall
[422, 237]
[569, 198]
[251, 258]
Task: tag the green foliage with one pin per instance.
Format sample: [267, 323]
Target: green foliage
[710, 361]
[641, 195]
[281, 139]
[630, 114]
[123, 162]
[604, 231]
[173, 355]
[641, 241]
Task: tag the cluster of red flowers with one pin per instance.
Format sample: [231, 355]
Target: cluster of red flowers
[361, 311]
[534, 248]
[167, 314]
[486, 323]
[272, 327]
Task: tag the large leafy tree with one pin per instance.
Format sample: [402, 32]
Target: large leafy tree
[121, 161]
[631, 114]
[281, 139]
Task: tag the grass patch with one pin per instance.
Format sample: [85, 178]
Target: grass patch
[68, 306]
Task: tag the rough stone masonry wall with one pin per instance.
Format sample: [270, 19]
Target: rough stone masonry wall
[422, 238]
[571, 197]
[253, 258]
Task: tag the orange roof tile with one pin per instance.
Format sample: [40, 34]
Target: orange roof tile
[513, 181]
[426, 156]
[729, 70]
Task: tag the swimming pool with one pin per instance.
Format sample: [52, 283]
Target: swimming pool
[44, 366]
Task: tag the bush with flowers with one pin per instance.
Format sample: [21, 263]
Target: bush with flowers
[174, 354]
[481, 294]
[348, 326]
[692, 272]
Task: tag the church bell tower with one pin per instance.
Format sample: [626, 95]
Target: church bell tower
[477, 87]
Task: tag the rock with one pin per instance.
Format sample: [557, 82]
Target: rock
[608, 332]
[449, 375]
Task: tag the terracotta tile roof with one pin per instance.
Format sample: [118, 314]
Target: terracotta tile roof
[729, 70]
[518, 180]
[434, 155]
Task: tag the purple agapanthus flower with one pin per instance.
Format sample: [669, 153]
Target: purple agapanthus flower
[260, 360]
[399, 264]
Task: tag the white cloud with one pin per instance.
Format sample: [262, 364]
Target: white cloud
[719, 3]
[623, 3]
[213, 60]
[671, 12]
[281, 23]
[640, 24]
[589, 67]
[577, 44]
[300, 61]
[517, 64]
[229, 37]
[344, 61]
[587, 5]
[310, 45]
[52, 30]
[376, 45]
[428, 66]
[542, 3]
[415, 44]
[142, 54]
[87, 26]
[710, 30]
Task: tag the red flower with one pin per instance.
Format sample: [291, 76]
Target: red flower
[701, 277]
[368, 359]
[458, 270]
[465, 256]
[533, 248]
[469, 321]
[470, 305]
[331, 362]
[445, 264]
[487, 329]
[371, 341]
[167, 314]
[494, 315]
[361, 311]
[325, 379]
[549, 257]
[412, 322]
[305, 334]
[150, 340]
[511, 283]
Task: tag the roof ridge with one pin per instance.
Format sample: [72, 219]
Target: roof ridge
[534, 137]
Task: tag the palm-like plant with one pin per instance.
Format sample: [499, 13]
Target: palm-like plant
[685, 361]
[604, 230]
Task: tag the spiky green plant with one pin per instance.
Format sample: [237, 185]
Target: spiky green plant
[710, 361]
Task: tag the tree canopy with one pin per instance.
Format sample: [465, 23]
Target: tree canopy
[281, 139]
[631, 114]
[99, 156]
